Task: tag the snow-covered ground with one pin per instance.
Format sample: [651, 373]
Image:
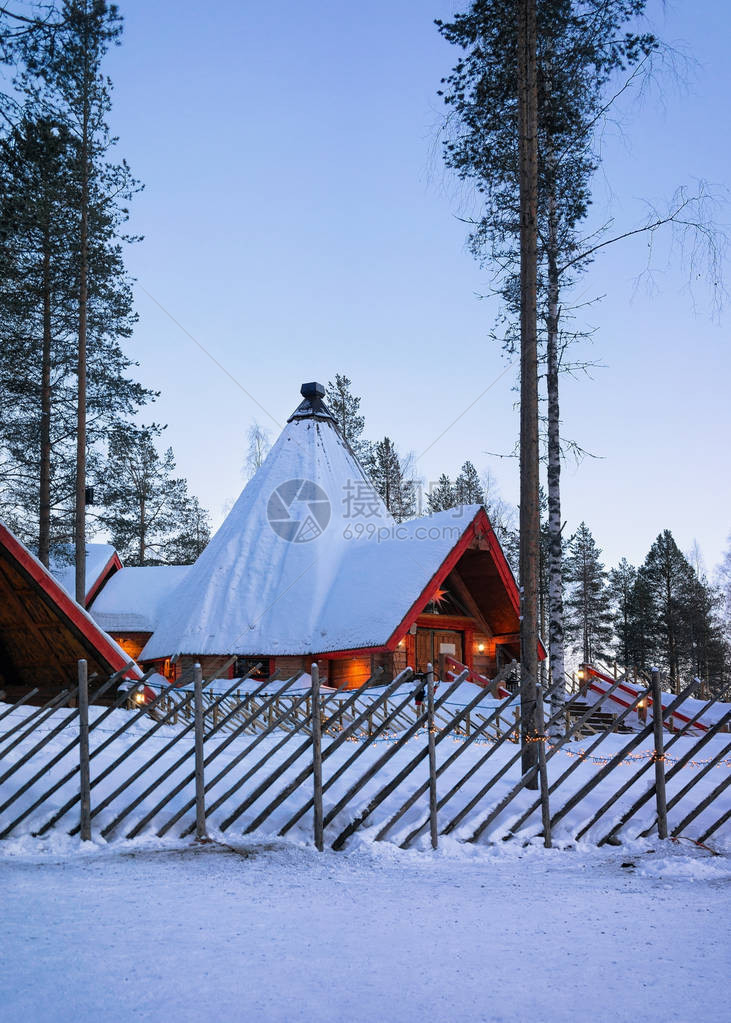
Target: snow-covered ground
[275, 932]
[260, 928]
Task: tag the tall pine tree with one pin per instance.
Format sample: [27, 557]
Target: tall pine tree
[587, 604]
[65, 80]
[468, 487]
[389, 473]
[345, 406]
[151, 518]
[622, 581]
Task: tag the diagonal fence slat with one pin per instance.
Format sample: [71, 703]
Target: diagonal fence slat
[512, 734]
[146, 709]
[715, 826]
[33, 720]
[372, 736]
[703, 805]
[393, 784]
[178, 763]
[577, 797]
[279, 771]
[650, 791]
[19, 703]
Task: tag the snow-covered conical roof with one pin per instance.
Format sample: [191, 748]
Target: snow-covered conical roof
[263, 582]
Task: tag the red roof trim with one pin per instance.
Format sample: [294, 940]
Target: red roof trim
[478, 527]
[76, 615]
[361, 651]
[113, 565]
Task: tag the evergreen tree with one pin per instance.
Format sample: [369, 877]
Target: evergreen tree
[641, 632]
[525, 100]
[345, 406]
[587, 604]
[38, 334]
[670, 581]
[389, 474]
[622, 581]
[467, 486]
[675, 619]
[441, 497]
[147, 510]
[65, 80]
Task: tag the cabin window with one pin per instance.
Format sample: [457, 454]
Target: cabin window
[244, 665]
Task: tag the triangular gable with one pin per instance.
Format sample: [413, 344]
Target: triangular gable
[102, 561]
[478, 529]
[43, 632]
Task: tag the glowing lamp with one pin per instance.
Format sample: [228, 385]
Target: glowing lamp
[139, 697]
[481, 647]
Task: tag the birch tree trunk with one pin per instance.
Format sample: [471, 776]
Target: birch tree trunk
[529, 455]
[555, 554]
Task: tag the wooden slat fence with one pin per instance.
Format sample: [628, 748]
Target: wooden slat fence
[255, 754]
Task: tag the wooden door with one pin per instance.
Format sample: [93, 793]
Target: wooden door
[430, 643]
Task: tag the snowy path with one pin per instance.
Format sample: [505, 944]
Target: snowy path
[280, 933]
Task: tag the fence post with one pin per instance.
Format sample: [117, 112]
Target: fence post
[200, 792]
[317, 757]
[542, 772]
[84, 774]
[662, 810]
[432, 756]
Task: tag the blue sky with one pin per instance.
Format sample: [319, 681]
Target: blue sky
[298, 223]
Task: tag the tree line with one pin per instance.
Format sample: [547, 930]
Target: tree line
[73, 461]
[665, 612]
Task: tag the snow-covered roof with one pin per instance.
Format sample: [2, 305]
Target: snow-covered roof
[308, 560]
[70, 630]
[132, 599]
[98, 558]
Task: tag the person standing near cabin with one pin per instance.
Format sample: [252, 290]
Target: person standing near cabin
[419, 697]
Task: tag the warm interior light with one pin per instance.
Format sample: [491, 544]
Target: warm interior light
[580, 673]
[481, 647]
[139, 697]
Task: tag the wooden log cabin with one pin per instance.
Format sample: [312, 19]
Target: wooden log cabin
[310, 566]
